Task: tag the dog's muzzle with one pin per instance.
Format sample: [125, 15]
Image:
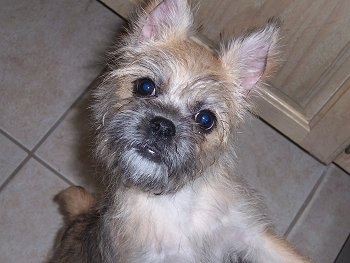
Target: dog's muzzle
[160, 133]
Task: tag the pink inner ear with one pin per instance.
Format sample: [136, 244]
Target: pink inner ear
[148, 30]
[253, 58]
[253, 72]
[160, 15]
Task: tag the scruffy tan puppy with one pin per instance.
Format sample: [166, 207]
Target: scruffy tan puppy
[166, 115]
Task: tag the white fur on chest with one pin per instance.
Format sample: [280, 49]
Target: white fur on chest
[190, 226]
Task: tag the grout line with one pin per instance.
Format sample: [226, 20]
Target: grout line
[59, 121]
[21, 164]
[53, 170]
[24, 162]
[29, 156]
[8, 136]
[31, 153]
[307, 201]
[94, 83]
[13, 174]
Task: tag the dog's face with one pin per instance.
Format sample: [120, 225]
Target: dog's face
[168, 105]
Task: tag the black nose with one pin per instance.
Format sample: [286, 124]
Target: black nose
[162, 127]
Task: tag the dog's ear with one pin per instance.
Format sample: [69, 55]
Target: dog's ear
[159, 19]
[252, 57]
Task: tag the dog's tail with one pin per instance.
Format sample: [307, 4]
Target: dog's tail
[74, 201]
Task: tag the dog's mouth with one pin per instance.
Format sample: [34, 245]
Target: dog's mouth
[149, 152]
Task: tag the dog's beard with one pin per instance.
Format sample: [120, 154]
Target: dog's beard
[140, 171]
[138, 159]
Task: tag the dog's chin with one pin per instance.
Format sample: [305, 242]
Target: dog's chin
[143, 169]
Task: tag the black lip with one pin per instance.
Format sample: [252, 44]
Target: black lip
[149, 152]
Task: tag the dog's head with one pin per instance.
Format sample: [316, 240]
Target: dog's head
[168, 104]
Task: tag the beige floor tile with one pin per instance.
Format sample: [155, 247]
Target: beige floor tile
[325, 224]
[279, 170]
[50, 52]
[11, 156]
[68, 148]
[29, 218]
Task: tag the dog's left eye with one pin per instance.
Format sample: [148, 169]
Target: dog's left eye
[205, 119]
[145, 87]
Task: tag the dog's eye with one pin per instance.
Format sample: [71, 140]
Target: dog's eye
[145, 87]
[205, 119]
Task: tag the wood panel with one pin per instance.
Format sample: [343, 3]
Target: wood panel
[315, 43]
[121, 7]
[343, 160]
[331, 134]
[315, 34]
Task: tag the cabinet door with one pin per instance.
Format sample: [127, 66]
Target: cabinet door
[308, 100]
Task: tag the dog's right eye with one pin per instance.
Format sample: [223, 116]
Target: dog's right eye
[145, 87]
[206, 120]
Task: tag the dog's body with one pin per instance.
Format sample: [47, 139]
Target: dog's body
[166, 114]
[212, 220]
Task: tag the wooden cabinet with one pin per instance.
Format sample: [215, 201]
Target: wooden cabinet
[308, 100]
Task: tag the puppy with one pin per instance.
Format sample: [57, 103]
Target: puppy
[166, 113]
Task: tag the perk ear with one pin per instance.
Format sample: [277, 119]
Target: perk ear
[160, 18]
[251, 57]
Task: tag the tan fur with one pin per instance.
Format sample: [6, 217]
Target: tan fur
[174, 198]
[75, 201]
[276, 247]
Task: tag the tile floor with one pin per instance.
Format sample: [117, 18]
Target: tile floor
[51, 51]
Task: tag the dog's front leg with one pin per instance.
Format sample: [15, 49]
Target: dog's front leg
[268, 247]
